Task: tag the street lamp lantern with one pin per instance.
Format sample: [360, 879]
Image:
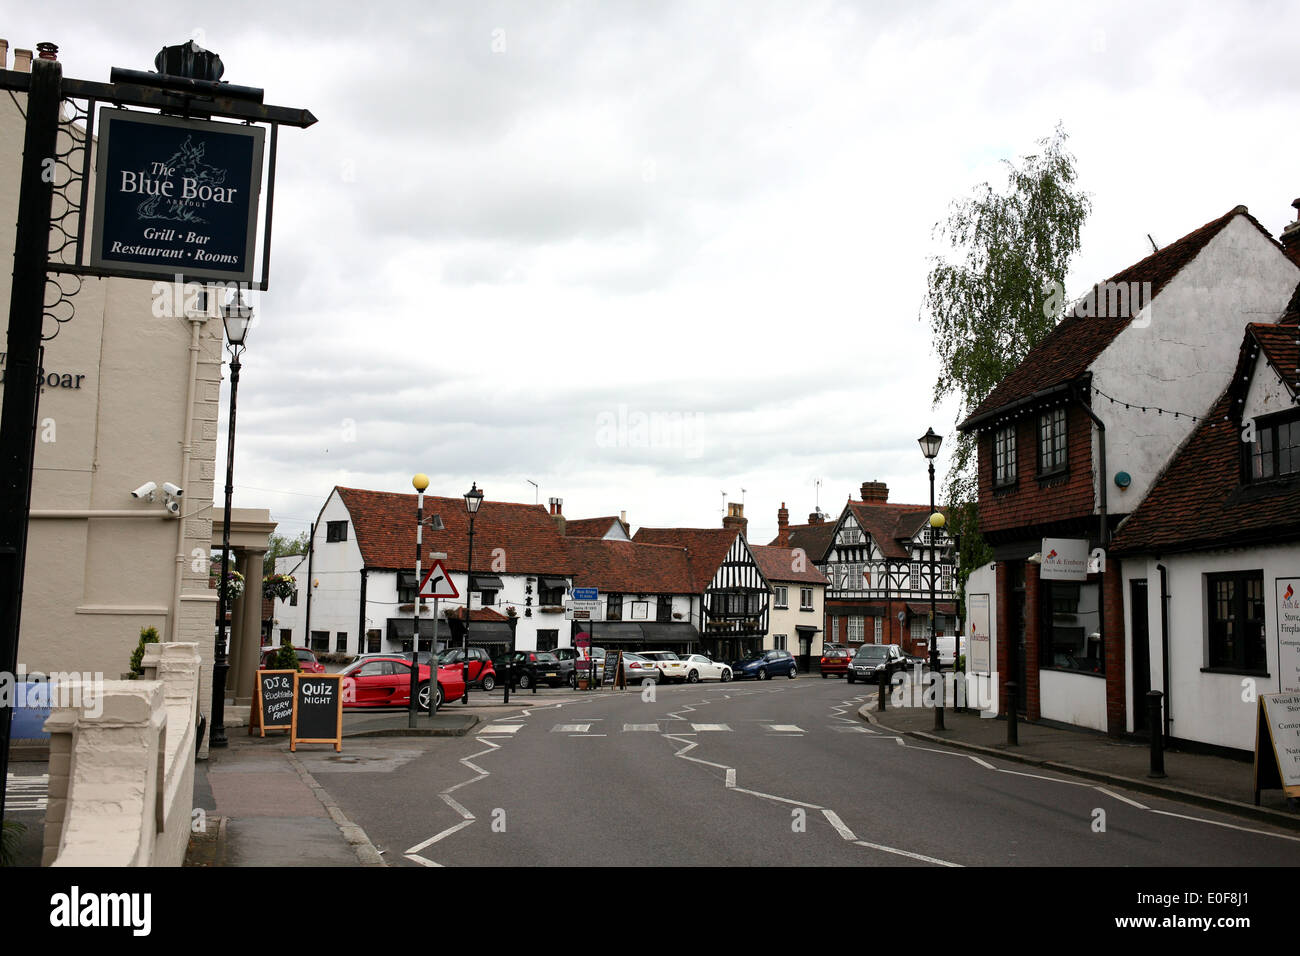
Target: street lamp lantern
[930, 443]
[473, 498]
[237, 317]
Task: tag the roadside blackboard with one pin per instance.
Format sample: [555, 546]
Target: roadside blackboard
[317, 710]
[611, 666]
[273, 709]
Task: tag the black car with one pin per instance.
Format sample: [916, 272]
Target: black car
[872, 659]
[537, 667]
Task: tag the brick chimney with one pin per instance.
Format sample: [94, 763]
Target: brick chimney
[557, 513]
[875, 491]
[782, 527]
[1291, 235]
[4, 54]
[816, 517]
[735, 519]
[22, 60]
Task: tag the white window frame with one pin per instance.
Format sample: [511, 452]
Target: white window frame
[782, 595]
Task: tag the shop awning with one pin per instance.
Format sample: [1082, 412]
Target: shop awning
[480, 632]
[615, 633]
[923, 610]
[550, 582]
[486, 582]
[676, 633]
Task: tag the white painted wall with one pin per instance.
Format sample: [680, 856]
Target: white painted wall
[1215, 709]
[335, 582]
[1078, 699]
[786, 621]
[1267, 393]
[1182, 360]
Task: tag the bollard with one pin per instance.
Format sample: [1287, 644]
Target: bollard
[1157, 734]
[1013, 718]
[883, 693]
[464, 676]
[534, 681]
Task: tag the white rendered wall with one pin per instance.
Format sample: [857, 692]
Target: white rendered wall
[1182, 360]
[1267, 393]
[1078, 699]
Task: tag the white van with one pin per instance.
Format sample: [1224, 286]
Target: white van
[945, 642]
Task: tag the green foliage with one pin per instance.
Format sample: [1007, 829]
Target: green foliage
[148, 635]
[286, 658]
[279, 546]
[12, 834]
[996, 300]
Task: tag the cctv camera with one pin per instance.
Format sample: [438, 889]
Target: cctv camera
[174, 490]
[145, 491]
[173, 506]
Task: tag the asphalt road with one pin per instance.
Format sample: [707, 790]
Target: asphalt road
[777, 773]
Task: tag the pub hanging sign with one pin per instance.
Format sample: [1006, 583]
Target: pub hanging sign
[176, 196]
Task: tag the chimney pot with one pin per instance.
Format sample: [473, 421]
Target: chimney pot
[875, 491]
[783, 526]
[4, 54]
[47, 51]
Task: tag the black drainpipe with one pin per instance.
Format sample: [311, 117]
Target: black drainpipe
[1164, 641]
[1104, 536]
[311, 551]
[361, 616]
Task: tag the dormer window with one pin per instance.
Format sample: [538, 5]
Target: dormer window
[1275, 452]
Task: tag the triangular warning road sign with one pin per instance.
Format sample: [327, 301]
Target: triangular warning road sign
[437, 583]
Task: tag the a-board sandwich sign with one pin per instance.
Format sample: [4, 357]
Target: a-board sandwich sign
[273, 709]
[176, 196]
[1277, 744]
[317, 710]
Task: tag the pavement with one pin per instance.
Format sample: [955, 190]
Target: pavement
[262, 806]
[1206, 780]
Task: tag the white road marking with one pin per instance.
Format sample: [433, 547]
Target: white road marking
[907, 853]
[570, 728]
[1230, 826]
[1111, 793]
[435, 838]
[838, 824]
[653, 728]
[502, 729]
[703, 727]
[784, 728]
[851, 730]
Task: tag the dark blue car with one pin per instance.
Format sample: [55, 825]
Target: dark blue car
[764, 664]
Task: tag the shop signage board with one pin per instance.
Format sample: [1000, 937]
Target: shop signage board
[1277, 744]
[317, 710]
[1064, 559]
[176, 195]
[1288, 633]
[273, 709]
[979, 645]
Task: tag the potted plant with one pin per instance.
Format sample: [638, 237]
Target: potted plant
[234, 586]
[148, 635]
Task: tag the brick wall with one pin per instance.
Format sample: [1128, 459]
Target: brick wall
[1028, 502]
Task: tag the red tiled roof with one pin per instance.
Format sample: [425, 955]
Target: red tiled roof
[706, 548]
[887, 523]
[630, 567]
[481, 613]
[1070, 349]
[1200, 501]
[591, 527]
[384, 524]
[815, 539]
[1280, 346]
[777, 564]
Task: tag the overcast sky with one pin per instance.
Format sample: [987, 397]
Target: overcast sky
[642, 254]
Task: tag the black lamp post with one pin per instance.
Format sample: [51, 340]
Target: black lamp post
[930, 443]
[473, 500]
[237, 316]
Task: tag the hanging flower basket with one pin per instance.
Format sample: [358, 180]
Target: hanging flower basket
[281, 586]
[234, 586]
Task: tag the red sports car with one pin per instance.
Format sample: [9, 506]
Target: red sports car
[386, 682]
